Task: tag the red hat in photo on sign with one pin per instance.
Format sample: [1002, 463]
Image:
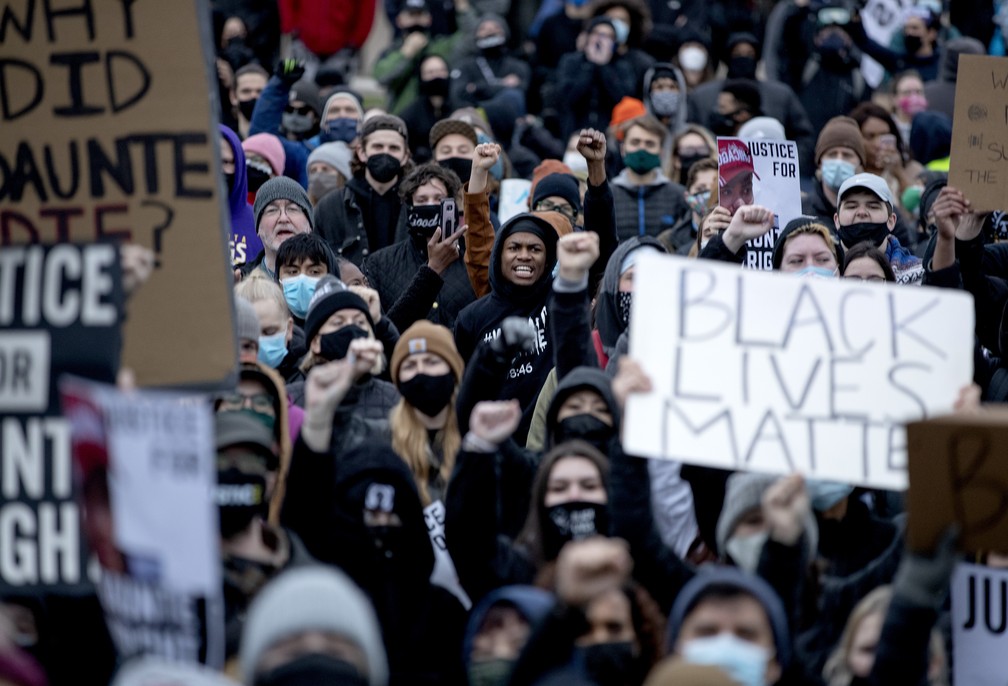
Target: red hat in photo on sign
[733, 159]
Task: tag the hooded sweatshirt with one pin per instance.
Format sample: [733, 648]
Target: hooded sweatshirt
[608, 324]
[679, 119]
[243, 239]
[480, 321]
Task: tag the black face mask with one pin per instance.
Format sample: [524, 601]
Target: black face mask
[723, 124]
[572, 521]
[256, 178]
[241, 497]
[434, 87]
[429, 394]
[388, 540]
[742, 68]
[311, 670]
[423, 220]
[462, 166]
[334, 346]
[585, 427]
[246, 107]
[834, 53]
[610, 664]
[383, 167]
[492, 47]
[230, 182]
[872, 232]
[687, 161]
[912, 44]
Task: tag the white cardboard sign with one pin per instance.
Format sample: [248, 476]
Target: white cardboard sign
[979, 625]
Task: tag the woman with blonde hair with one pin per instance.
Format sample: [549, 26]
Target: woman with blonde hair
[427, 369]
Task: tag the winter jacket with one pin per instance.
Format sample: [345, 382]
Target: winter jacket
[327, 27]
[480, 321]
[479, 240]
[584, 93]
[243, 239]
[607, 316]
[484, 76]
[422, 624]
[647, 210]
[340, 218]
[410, 290]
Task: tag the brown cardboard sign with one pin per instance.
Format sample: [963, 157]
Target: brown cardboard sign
[109, 130]
[979, 159]
[958, 469]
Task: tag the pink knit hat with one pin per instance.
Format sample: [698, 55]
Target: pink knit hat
[267, 146]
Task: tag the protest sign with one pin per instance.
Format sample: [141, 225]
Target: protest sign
[881, 19]
[514, 198]
[775, 373]
[109, 133]
[147, 466]
[764, 173]
[979, 158]
[979, 624]
[444, 574]
[60, 310]
[958, 475]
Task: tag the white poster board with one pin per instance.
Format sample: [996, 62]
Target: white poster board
[881, 20]
[979, 625]
[775, 185]
[514, 198]
[774, 373]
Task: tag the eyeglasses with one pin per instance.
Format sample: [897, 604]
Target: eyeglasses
[274, 209]
[565, 210]
[260, 402]
[304, 109]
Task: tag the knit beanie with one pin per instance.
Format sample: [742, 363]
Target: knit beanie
[312, 598]
[720, 575]
[626, 109]
[426, 337]
[561, 185]
[307, 92]
[246, 320]
[544, 169]
[447, 127]
[343, 95]
[840, 131]
[282, 188]
[330, 297]
[336, 155]
[383, 122]
[269, 147]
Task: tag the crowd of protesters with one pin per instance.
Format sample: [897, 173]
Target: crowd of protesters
[401, 347]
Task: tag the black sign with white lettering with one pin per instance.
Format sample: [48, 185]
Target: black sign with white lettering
[60, 312]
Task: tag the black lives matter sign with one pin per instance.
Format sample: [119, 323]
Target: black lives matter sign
[60, 312]
[108, 118]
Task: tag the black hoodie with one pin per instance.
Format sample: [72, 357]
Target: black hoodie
[480, 321]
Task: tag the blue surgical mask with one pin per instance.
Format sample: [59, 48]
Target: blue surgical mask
[817, 272]
[622, 31]
[826, 494]
[341, 129]
[743, 661]
[273, 349]
[298, 291]
[835, 172]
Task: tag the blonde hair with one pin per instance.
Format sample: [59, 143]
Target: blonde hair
[410, 442]
[258, 287]
[837, 670]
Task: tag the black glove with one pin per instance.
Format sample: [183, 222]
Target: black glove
[924, 579]
[517, 336]
[289, 71]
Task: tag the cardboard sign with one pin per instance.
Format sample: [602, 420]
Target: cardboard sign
[764, 173]
[880, 19]
[979, 625]
[775, 373]
[979, 160]
[147, 466]
[109, 133]
[60, 311]
[958, 474]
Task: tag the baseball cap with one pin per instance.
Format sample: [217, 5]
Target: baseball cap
[733, 159]
[870, 182]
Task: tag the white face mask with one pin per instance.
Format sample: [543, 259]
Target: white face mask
[692, 58]
[574, 160]
[746, 550]
[743, 661]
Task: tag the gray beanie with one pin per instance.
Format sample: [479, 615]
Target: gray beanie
[312, 598]
[336, 155]
[282, 188]
[744, 492]
[246, 320]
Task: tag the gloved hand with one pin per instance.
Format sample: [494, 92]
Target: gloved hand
[924, 579]
[516, 337]
[289, 71]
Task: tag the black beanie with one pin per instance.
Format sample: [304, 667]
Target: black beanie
[330, 297]
[561, 185]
